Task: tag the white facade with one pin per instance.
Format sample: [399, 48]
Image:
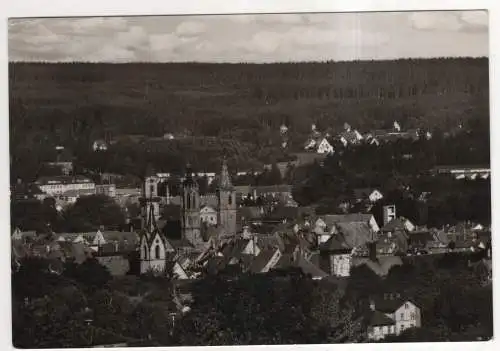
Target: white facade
[379, 332]
[208, 215]
[407, 316]
[375, 196]
[324, 147]
[153, 256]
[59, 185]
[341, 265]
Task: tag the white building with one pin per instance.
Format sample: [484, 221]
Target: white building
[58, 185]
[391, 316]
[208, 215]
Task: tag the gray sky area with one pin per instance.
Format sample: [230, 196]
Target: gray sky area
[251, 38]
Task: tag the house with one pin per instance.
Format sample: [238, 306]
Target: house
[208, 215]
[324, 225]
[350, 137]
[462, 172]
[405, 313]
[58, 185]
[380, 326]
[345, 238]
[372, 195]
[396, 224]
[106, 189]
[99, 145]
[379, 265]
[319, 145]
[392, 315]
[265, 261]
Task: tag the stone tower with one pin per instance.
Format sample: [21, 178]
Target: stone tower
[190, 208]
[150, 202]
[226, 210]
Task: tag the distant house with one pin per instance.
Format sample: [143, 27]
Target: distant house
[404, 315]
[106, 189]
[372, 195]
[344, 238]
[58, 185]
[99, 145]
[462, 172]
[350, 137]
[208, 215]
[319, 145]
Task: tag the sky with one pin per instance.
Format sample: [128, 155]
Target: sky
[251, 38]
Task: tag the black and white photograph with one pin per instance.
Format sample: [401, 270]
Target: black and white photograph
[250, 179]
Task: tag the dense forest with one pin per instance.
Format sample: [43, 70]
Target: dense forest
[234, 109]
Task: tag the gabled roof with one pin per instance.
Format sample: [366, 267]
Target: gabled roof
[380, 319]
[335, 243]
[309, 268]
[332, 219]
[381, 266]
[262, 260]
[355, 233]
[395, 224]
[389, 304]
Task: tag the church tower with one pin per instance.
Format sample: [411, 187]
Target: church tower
[226, 202]
[150, 202]
[190, 207]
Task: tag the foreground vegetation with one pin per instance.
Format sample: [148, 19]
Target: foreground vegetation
[85, 307]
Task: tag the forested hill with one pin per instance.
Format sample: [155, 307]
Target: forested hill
[78, 102]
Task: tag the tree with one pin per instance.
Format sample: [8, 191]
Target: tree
[91, 212]
[91, 274]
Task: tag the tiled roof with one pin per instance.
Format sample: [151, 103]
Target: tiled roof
[389, 304]
[330, 220]
[309, 268]
[381, 266]
[262, 260]
[380, 319]
[355, 233]
[395, 224]
[335, 243]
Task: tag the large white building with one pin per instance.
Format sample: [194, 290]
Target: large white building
[59, 185]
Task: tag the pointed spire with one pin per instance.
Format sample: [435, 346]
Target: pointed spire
[151, 220]
[225, 178]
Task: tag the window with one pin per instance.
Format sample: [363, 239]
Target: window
[157, 252]
[402, 316]
[230, 199]
[188, 201]
[406, 306]
[385, 330]
[151, 190]
[145, 252]
[412, 316]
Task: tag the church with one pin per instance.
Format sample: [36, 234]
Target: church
[157, 247]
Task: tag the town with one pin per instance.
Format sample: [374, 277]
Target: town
[250, 179]
[183, 232]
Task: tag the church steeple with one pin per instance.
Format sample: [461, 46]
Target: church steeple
[226, 202]
[225, 179]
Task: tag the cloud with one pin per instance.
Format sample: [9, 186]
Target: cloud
[475, 18]
[435, 21]
[190, 28]
[250, 38]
